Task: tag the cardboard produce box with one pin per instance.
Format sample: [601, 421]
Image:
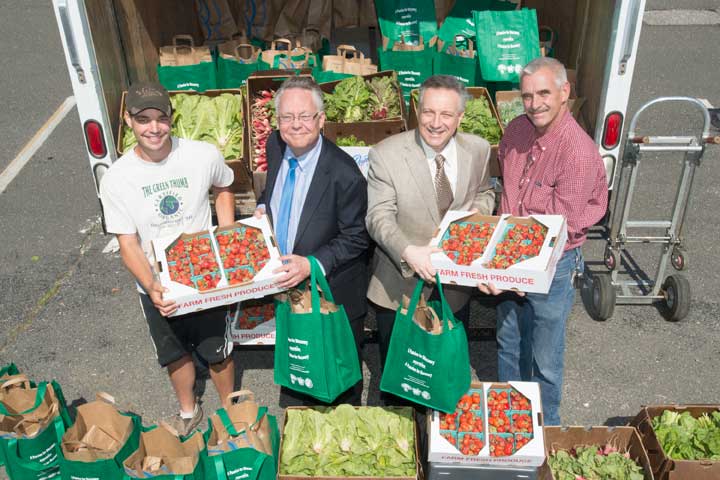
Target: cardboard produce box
[253, 322]
[283, 438]
[533, 274]
[625, 439]
[664, 467]
[475, 92]
[517, 426]
[201, 272]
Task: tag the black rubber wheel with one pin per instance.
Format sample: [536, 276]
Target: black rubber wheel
[677, 259]
[677, 297]
[600, 298]
[609, 259]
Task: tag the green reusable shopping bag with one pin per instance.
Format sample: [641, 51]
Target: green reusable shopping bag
[233, 72]
[412, 67]
[459, 20]
[465, 69]
[198, 472]
[506, 42]
[245, 462]
[91, 467]
[426, 368]
[9, 369]
[199, 77]
[37, 458]
[323, 76]
[315, 351]
[409, 19]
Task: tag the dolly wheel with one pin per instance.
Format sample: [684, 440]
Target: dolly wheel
[609, 259]
[601, 298]
[677, 259]
[677, 297]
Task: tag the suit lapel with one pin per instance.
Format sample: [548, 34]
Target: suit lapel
[464, 160]
[273, 170]
[316, 192]
[417, 166]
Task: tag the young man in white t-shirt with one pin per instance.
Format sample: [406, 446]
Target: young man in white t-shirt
[159, 189]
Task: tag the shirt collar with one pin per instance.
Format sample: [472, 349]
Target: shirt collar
[304, 159]
[553, 134]
[446, 152]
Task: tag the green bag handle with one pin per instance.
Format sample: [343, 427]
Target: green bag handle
[221, 472]
[447, 312]
[316, 276]
[39, 396]
[227, 423]
[12, 449]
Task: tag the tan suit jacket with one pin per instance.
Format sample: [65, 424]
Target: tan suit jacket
[402, 209]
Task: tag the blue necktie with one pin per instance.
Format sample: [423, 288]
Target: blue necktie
[283, 218]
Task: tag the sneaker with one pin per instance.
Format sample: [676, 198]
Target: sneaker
[185, 426]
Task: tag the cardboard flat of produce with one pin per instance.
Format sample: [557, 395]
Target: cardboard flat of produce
[664, 467]
[497, 424]
[218, 266]
[253, 322]
[418, 476]
[625, 439]
[522, 253]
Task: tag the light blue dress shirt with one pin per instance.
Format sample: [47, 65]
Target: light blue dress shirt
[303, 177]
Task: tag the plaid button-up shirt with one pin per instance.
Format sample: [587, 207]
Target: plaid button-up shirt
[558, 173]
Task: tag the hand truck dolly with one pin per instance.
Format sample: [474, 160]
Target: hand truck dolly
[602, 291]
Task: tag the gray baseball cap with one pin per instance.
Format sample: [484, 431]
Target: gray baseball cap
[142, 96]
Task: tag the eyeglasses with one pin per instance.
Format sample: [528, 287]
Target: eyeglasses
[302, 118]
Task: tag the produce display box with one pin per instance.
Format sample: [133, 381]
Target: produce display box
[253, 322]
[201, 272]
[258, 81]
[531, 274]
[664, 467]
[508, 415]
[418, 476]
[396, 124]
[624, 438]
[475, 92]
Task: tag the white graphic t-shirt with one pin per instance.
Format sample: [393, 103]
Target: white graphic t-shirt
[163, 199]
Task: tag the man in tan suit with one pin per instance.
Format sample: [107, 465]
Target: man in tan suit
[414, 178]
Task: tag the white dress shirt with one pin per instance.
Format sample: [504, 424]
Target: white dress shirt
[450, 154]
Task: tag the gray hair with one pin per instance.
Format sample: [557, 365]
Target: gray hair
[557, 68]
[302, 83]
[447, 82]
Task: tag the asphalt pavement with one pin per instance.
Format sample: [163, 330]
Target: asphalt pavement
[70, 312]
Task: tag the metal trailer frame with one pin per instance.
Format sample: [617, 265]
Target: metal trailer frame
[607, 290]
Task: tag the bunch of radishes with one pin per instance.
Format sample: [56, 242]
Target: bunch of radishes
[263, 122]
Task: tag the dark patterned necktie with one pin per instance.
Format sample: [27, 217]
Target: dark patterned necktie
[443, 191]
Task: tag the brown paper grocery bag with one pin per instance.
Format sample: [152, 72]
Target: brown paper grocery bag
[17, 397]
[425, 316]
[280, 46]
[348, 60]
[301, 302]
[98, 433]
[162, 453]
[182, 54]
[243, 415]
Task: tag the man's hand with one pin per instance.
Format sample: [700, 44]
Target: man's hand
[490, 289]
[418, 258]
[165, 307]
[296, 270]
[259, 212]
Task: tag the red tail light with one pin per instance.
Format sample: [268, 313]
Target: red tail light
[612, 130]
[95, 139]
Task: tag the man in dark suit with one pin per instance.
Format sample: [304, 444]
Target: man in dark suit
[316, 198]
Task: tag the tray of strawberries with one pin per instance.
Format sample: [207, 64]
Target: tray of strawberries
[510, 423]
[465, 241]
[464, 428]
[243, 252]
[519, 242]
[191, 261]
[253, 313]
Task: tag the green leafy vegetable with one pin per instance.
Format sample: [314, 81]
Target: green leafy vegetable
[508, 110]
[593, 462]
[356, 100]
[384, 98]
[349, 141]
[348, 441]
[684, 437]
[217, 120]
[479, 120]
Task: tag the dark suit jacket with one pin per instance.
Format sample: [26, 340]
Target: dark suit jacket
[332, 223]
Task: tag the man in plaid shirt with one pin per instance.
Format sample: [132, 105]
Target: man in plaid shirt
[549, 166]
